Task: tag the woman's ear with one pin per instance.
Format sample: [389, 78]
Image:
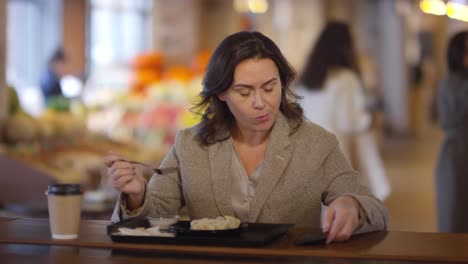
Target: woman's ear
[222, 96]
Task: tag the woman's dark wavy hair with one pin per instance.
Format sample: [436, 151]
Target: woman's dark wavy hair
[333, 49]
[456, 52]
[219, 76]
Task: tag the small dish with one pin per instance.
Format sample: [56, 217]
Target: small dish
[164, 222]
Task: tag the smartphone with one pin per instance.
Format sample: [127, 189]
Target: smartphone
[311, 238]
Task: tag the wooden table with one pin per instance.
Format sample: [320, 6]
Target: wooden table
[5, 219]
[28, 238]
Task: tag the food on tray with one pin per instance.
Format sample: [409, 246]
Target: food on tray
[218, 223]
[141, 231]
[163, 222]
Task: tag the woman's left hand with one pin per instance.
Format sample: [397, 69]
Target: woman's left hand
[341, 218]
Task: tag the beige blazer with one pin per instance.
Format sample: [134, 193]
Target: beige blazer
[301, 171]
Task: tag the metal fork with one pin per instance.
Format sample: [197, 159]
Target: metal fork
[160, 172]
[157, 170]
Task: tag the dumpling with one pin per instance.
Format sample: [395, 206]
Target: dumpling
[218, 223]
[201, 224]
[232, 222]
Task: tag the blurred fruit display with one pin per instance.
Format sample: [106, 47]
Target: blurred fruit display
[157, 103]
[13, 100]
[147, 69]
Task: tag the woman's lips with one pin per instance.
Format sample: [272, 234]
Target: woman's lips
[262, 118]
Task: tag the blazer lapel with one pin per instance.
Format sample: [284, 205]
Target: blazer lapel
[276, 160]
[220, 168]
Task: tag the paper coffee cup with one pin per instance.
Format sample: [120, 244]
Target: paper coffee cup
[64, 202]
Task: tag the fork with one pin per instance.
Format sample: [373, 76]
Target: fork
[160, 172]
[157, 170]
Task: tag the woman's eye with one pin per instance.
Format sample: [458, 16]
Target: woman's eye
[245, 92]
[268, 88]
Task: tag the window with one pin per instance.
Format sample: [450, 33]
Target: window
[34, 31]
[119, 30]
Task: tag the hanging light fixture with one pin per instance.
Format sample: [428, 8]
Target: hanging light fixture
[435, 7]
[254, 6]
[457, 10]
[258, 6]
[241, 6]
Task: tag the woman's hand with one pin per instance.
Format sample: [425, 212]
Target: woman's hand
[341, 218]
[127, 178]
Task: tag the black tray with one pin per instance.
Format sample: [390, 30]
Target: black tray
[250, 235]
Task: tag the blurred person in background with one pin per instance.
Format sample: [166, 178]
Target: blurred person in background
[452, 165]
[55, 70]
[333, 97]
[252, 156]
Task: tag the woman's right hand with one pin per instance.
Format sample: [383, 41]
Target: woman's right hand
[125, 177]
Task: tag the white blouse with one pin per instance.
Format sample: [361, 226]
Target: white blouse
[243, 186]
[339, 107]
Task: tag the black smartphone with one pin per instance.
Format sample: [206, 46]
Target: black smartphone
[311, 238]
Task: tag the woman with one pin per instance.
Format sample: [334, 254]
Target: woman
[333, 97]
[452, 166]
[253, 155]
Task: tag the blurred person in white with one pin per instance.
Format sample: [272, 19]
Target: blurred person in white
[333, 97]
[452, 165]
[253, 155]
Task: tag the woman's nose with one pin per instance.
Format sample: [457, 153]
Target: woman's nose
[259, 101]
